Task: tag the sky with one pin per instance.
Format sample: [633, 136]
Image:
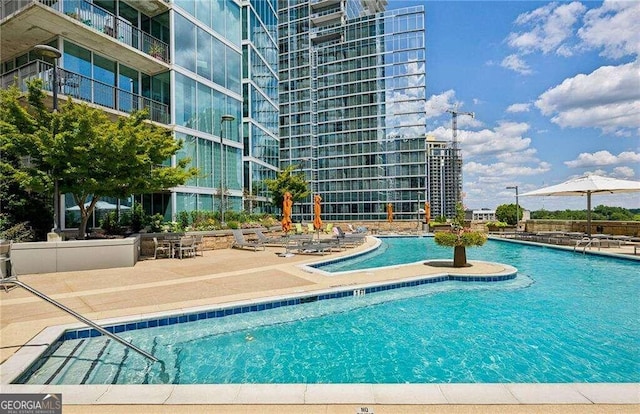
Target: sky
[555, 89]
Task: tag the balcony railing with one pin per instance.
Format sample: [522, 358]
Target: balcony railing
[100, 20]
[85, 89]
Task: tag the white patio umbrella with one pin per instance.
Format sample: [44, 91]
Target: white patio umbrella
[591, 184]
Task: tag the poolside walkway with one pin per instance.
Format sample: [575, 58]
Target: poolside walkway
[219, 277]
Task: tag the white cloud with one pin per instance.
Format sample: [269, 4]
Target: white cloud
[503, 169]
[613, 27]
[528, 155]
[603, 158]
[607, 98]
[519, 107]
[624, 172]
[516, 64]
[505, 138]
[549, 27]
[437, 105]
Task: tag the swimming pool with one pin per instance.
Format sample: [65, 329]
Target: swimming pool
[565, 318]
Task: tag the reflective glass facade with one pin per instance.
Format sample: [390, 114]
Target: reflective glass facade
[207, 80]
[193, 62]
[352, 98]
[260, 93]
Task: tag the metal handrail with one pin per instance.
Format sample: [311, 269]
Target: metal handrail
[10, 281]
[86, 89]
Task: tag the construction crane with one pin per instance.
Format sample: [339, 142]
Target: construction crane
[454, 123]
[456, 159]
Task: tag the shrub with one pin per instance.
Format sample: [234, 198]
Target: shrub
[183, 219]
[20, 232]
[110, 224]
[156, 222]
[139, 218]
[463, 238]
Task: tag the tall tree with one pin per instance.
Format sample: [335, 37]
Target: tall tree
[288, 180]
[507, 213]
[24, 199]
[93, 157]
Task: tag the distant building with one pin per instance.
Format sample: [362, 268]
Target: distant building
[352, 96]
[483, 215]
[443, 162]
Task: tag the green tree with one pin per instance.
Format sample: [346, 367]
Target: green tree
[93, 157]
[601, 212]
[507, 213]
[288, 180]
[24, 200]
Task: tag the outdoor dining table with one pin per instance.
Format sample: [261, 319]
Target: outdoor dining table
[174, 244]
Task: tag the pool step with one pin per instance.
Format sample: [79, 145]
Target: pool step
[57, 362]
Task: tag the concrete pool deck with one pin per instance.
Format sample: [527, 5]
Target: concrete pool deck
[228, 276]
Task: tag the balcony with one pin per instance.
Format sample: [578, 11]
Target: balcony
[319, 4]
[85, 89]
[327, 17]
[149, 7]
[326, 33]
[33, 22]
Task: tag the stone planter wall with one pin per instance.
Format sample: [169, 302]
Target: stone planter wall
[618, 228]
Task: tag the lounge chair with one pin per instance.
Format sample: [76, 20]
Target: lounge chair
[306, 245]
[310, 228]
[332, 244]
[299, 229]
[274, 241]
[350, 239]
[240, 243]
[329, 228]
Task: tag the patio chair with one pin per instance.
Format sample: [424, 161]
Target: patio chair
[329, 228]
[187, 247]
[310, 228]
[199, 244]
[160, 247]
[5, 262]
[240, 242]
[299, 229]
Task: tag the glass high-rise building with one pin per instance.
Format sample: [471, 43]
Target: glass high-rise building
[352, 96]
[444, 184]
[207, 70]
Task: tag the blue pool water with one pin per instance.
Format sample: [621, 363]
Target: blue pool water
[566, 318]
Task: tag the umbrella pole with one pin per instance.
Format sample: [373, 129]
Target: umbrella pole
[589, 213]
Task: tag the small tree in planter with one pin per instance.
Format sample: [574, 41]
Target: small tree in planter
[460, 238]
